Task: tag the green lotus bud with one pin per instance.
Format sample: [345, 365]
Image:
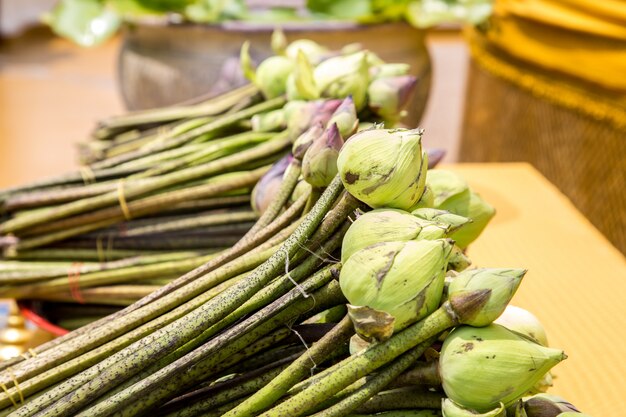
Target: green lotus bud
[445, 184]
[271, 75]
[441, 216]
[483, 367]
[451, 409]
[305, 140]
[404, 279]
[545, 405]
[502, 282]
[387, 97]
[269, 122]
[389, 70]
[470, 205]
[344, 76]
[345, 117]
[524, 322]
[245, 61]
[426, 200]
[279, 41]
[319, 165]
[303, 78]
[453, 194]
[458, 261]
[313, 51]
[384, 168]
[302, 187]
[387, 225]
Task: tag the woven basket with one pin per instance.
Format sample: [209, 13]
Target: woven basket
[584, 156]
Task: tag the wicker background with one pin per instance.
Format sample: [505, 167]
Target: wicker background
[583, 157]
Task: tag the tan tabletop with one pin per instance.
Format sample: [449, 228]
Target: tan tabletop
[576, 282]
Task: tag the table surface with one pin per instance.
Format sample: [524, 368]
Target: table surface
[576, 282]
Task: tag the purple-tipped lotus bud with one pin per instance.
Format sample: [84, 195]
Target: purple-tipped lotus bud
[270, 121]
[345, 117]
[384, 167]
[502, 282]
[387, 97]
[546, 405]
[305, 140]
[303, 115]
[319, 165]
[267, 188]
[481, 367]
[435, 156]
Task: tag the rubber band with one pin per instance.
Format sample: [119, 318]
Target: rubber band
[122, 200]
[88, 175]
[6, 391]
[73, 277]
[17, 386]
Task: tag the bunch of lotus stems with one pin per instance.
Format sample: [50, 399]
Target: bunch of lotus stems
[343, 311]
[163, 191]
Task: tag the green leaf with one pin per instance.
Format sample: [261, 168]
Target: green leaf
[209, 11]
[86, 22]
[165, 5]
[341, 9]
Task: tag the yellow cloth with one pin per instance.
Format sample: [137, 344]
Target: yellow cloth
[570, 52]
[583, 38]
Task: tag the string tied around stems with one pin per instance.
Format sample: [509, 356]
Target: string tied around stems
[73, 278]
[122, 200]
[17, 388]
[89, 177]
[32, 352]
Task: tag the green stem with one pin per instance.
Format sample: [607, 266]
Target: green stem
[137, 356]
[275, 389]
[405, 398]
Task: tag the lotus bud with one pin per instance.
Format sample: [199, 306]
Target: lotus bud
[301, 117]
[435, 156]
[302, 187]
[470, 205]
[453, 194]
[357, 344]
[319, 165]
[523, 321]
[313, 51]
[345, 117]
[269, 122]
[343, 76]
[305, 140]
[387, 97]
[245, 61]
[483, 367]
[445, 184]
[279, 41]
[389, 70]
[502, 282]
[518, 409]
[271, 75]
[384, 168]
[545, 405]
[404, 279]
[370, 324]
[458, 261]
[451, 409]
[267, 188]
[441, 216]
[426, 200]
[303, 78]
[387, 225]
